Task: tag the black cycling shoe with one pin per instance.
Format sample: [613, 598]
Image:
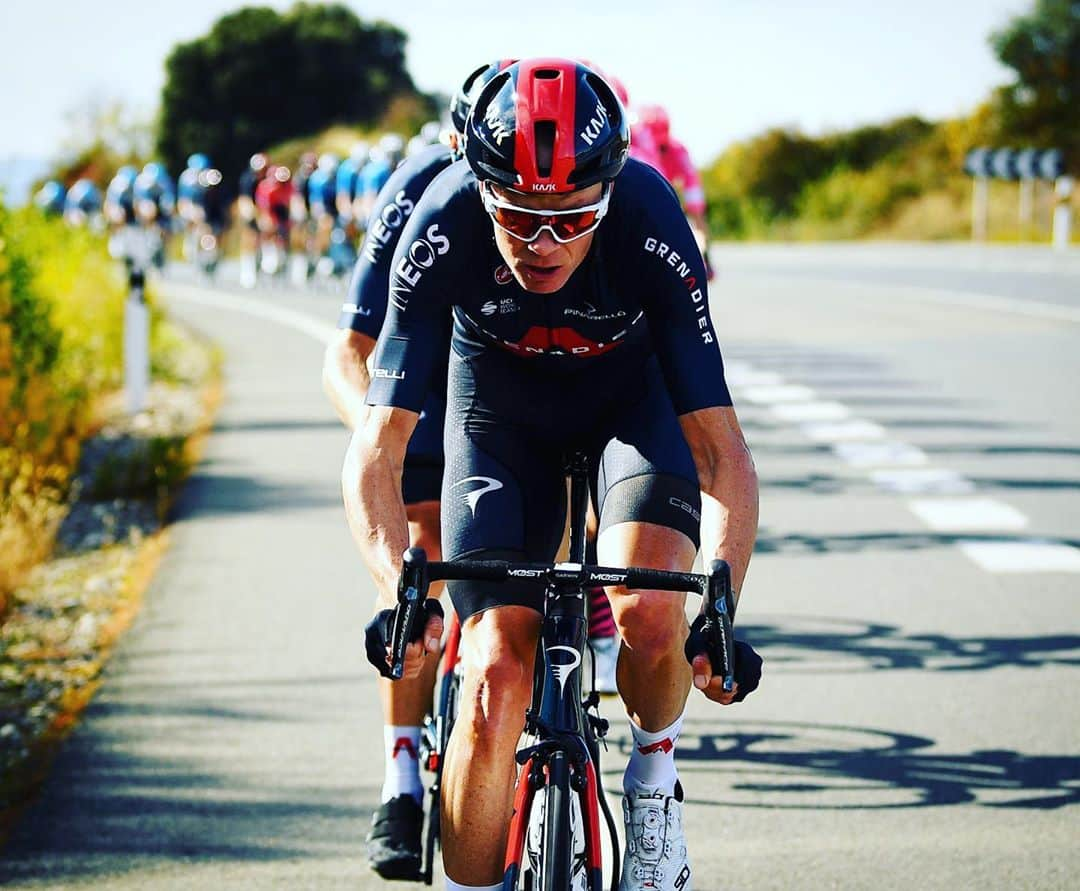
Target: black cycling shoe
[393, 845]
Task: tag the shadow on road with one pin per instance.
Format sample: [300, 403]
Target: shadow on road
[215, 493]
[799, 543]
[831, 767]
[848, 646]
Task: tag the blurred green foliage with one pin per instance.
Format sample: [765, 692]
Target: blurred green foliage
[260, 77]
[904, 178]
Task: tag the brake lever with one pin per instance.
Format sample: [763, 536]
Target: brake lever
[411, 594]
[719, 632]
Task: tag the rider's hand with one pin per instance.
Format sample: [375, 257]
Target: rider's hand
[747, 672]
[379, 630]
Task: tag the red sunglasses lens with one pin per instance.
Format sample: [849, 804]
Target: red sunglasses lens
[525, 224]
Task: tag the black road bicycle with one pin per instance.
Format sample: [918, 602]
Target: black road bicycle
[554, 842]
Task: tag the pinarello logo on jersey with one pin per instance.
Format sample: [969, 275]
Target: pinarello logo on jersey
[503, 275]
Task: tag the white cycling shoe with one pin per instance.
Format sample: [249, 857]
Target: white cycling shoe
[655, 858]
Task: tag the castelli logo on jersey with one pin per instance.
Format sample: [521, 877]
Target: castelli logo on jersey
[503, 275]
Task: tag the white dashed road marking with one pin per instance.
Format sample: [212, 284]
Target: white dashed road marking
[922, 481]
[880, 454]
[1022, 556]
[967, 514]
[799, 412]
[783, 393]
[844, 431]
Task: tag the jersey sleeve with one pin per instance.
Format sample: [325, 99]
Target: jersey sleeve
[670, 273]
[365, 302]
[425, 268]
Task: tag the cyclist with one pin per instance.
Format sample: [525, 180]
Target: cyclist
[303, 227]
[155, 203]
[580, 319]
[671, 158]
[430, 133]
[347, 183]
[214, 206]
[273, 201]
[383, 158]
[120, 197]
[322, 199]
[50, 198]
[189, 198]
[249, 217]
[393, 846]
[83, 203]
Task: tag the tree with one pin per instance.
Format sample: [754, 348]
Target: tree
[260, 77]
[1043, 105]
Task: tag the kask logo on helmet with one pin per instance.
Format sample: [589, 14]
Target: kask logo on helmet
[500, 129]
[596, 124]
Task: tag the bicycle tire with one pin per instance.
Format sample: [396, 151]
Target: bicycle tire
[448, 700]
[556, 854]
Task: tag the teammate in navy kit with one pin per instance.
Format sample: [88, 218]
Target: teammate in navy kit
[393, 847]
[581, 319]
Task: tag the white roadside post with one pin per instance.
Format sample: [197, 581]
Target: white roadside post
[1063, 190]
[1026, 163]
[136, 325]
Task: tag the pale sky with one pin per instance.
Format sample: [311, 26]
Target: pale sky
[726, 69]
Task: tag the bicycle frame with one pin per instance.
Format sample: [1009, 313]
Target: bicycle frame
[566, 735]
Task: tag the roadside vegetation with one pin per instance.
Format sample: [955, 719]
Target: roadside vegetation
[904, 179]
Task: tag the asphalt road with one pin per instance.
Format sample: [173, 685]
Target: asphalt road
[913, 415]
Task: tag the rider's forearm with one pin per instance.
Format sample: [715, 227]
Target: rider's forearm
[346, 377]
[729, 488]
[371, 486]
[729, 515]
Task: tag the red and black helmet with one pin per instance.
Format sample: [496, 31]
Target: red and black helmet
[462, 100]
[547, 125]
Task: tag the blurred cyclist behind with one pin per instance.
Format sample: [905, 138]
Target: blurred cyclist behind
[384, 158]
[189, 196]
[214, 205]
[303, 232]
[50, 198]
[82, 206]
[155, 203]
[248, 215]
[273, 201]
[322, 204]
[673, 160]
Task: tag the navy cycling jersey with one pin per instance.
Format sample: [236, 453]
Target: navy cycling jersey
[640, 292]
[365, 303]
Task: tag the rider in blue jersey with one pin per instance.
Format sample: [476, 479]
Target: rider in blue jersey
[393, 846]
[50, 198]
[189, 201]
[120, 196]
[83, 202]
[580, 320]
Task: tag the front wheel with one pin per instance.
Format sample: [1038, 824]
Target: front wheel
[550, 841]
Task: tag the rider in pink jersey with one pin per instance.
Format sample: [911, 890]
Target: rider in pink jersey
[670, 157]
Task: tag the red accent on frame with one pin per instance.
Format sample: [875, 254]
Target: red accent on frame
[519, 821]
[453, 644]
[592, 818]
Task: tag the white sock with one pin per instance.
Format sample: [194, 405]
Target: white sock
[652, 761]
[402, 776]
[451, 885]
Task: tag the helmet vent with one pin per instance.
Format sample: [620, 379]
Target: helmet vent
[544, 135]
[546, 74]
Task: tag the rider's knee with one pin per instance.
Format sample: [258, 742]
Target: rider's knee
[651, 623]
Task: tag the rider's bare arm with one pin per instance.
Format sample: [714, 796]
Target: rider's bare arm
[729, 487]
[371, 486]
[346, 376]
